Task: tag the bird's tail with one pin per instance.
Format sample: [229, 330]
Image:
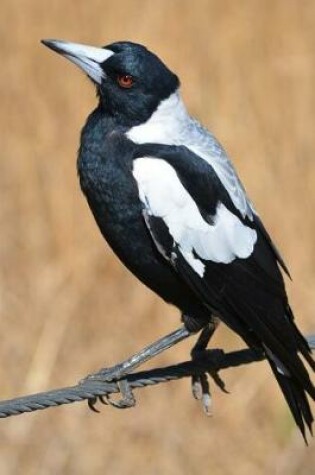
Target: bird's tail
[295, 390]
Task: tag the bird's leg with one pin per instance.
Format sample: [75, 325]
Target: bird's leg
[122, 369]
[200, 383]
[116, 373]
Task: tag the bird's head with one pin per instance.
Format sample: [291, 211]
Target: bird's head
[130, 80]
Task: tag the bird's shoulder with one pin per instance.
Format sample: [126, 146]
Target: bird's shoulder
[171, 125]
[190, 215]
[204, 144]
[185, 175]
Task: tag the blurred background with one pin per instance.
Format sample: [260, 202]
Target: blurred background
[69, 307]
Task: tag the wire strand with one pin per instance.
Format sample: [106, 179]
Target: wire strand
[88, 389]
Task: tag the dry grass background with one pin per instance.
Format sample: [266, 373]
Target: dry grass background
[68, 306]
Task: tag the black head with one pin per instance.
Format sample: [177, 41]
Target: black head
[130, 80]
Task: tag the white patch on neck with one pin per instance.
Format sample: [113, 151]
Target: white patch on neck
[171, 124]
[164, 196]
[164, 125]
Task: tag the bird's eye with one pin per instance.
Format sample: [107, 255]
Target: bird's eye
[125, 80]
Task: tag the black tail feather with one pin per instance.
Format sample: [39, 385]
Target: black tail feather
[262, 322]
[301, 342]
[286, 354]
[296, 398]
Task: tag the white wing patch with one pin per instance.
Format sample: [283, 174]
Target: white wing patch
[164, 196]
[170, 124]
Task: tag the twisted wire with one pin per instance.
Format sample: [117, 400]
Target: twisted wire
[215, 360]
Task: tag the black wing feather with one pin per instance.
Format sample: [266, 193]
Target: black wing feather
[248, 294]
[273, 248]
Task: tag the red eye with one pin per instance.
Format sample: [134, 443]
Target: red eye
[125, 80]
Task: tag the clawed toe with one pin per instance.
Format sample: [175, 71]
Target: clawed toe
[218, 381]
[92, 401]
[126, 401]
[201, 392]
[104, 399]
[200, 382]
[196, 387]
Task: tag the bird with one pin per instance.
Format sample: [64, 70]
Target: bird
[169, 202]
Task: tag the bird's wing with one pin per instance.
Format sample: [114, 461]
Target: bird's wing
[201, 187]
[201, 142]
[192, 218]
[205, 145]
[227, 259]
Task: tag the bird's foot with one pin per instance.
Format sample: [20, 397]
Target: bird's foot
[119, 372]
[126, 400]
[201, 392]
[200, 383]
[108, 375]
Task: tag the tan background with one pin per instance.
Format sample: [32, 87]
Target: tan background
[68, 306]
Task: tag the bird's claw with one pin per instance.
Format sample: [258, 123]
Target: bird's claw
[92, 401]
[200, 383]
[126, 401]
[127, 398]
[201, 392]
[218, 381]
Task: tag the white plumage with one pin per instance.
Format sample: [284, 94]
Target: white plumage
[171, 124]
[164, 196]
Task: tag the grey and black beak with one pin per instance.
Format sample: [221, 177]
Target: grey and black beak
[88, 58]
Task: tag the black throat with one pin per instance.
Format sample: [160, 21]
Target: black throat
[105, 169]
[104, 150]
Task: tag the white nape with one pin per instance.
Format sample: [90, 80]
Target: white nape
[165, 124]
[164, 196]
[171, 124]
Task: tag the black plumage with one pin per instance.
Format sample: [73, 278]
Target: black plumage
[163, 239]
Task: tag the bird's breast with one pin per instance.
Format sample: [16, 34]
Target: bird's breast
[105, 173]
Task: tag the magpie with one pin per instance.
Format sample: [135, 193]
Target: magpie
[169, 202]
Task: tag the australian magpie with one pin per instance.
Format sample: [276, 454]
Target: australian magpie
[169, 202]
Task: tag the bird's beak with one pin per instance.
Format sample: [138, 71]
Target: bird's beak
[88, 58]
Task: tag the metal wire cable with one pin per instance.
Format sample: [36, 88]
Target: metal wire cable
[215, 360]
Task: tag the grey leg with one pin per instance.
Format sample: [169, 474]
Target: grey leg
[116, 373]
[149, 352]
